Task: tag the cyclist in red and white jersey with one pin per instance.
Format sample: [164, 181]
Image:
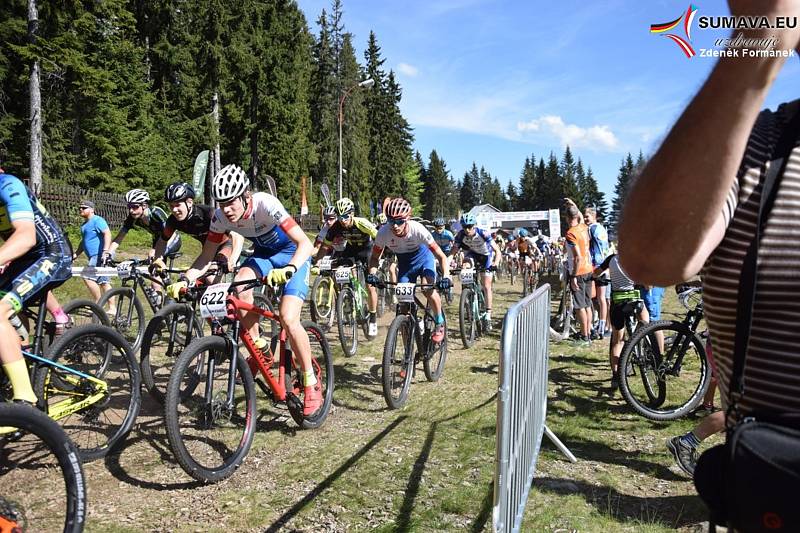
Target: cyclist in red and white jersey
[416, 253]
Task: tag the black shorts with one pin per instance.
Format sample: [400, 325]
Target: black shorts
[621, 311]
[32, 275]
[356, 254]
[582, 298]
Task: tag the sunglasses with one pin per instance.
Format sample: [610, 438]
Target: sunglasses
[397, 221]
[348, 216]
[82, 207]
[470, 226]
[134, 206]
[330, 219]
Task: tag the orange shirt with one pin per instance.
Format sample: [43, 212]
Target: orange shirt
[578, 240]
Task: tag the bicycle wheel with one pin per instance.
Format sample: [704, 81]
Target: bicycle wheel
[562, 321]
[322, 361]
[511, 273]
[664, 385]
[467, 321]
[348, 322]
[128, 315]
[97, 416]
[85, 312]
[398, 361]
[167, 334]
[42, 477]
[435, 354]
[209, 432]
[382, 293]
[322, 301]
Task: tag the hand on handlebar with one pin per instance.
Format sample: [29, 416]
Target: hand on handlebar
[157, 267]
[175, 290]
[444, 283]
[279, 276]
[373, 279]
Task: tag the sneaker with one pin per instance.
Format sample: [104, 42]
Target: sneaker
[607, 334]
[705, 410]
[438, 334]
[594, 335]
[312, 399]
[61, 327]
[372, 330]
[684, 455]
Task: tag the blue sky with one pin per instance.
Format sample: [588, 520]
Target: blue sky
[495, 81]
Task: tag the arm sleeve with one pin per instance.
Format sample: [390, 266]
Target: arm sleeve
[14, 194]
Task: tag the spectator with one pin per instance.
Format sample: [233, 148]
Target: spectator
[95, 241]
[598, 249]
[580, 271]
[705, 184]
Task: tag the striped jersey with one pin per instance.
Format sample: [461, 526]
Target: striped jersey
[772, 365]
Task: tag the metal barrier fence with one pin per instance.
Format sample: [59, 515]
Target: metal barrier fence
[521, 406]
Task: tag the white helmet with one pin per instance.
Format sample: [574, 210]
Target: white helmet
[137, 196]
[229, 183]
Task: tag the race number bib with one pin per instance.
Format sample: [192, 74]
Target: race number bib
[124, 269]
[325, 263]
[404, 292]
[467, 275]
[343, 275]
[212, 303]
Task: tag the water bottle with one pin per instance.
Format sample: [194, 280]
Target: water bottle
[21, 331]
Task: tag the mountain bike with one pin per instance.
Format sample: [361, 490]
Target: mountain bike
[674, 378]
[44, 488]
[88, 382]
[472, 314]
[351, 305]
[210, 407]
[409, 341]
[530, 277]
[129, 317]
[563, 320]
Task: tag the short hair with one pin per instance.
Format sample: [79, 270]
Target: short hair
[573, 211]
[591, 210]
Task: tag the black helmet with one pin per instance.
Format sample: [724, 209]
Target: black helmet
[178, 192]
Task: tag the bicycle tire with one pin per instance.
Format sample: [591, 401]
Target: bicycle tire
[322, 360]
[200, 417]
[318, 313]
[159, 352]
[132, 330]
[347, 323]
[382, 293]
[402, 328]
[435, 354]
[115, 364]
[690, 392]
[511, 273]
[26, 466]
[86, 310]
[467, 322]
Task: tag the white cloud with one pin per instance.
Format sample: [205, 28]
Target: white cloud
[409, 70]
[594, 137]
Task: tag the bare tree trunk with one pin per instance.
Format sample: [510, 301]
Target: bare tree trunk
[35, 106]
[216, 164]
[254, 138]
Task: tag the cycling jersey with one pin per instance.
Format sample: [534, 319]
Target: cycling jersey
[527, 247]
[17, 202]
[155, 224]
[543, 246]
[49, 260]
[444, 240]
[414, 256]
[480, 242]
[338, 245]
[196, 224]
[265, 223]
[358, 236]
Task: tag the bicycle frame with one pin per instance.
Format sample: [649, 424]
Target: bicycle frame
[692, 321]
[71, 405]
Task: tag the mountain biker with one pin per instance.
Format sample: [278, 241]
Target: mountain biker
[328, 218]
[416, 253]
[152, 219]
[192, 219]
[35, 257]
[443, 236]
[281, 255]
[481, 249]
[359, 234]
[527, 250]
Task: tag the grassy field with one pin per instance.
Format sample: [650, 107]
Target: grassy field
[427, 467]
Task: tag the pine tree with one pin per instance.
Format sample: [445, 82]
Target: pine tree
[437, 187]
[355, 141]
[621, 188]
[569, 185]
[412, 188]
[596, 198]
[324, 107]
[552, 184]
[512, 198]
[528, 185]
[468, 192]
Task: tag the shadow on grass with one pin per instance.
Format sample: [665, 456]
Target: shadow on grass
[363, 387]
[668, 511]
[600, 452]
[284, 519]
[412, 487]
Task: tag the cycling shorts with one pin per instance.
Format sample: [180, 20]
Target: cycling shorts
[297, 285]
[480, 260]
[33, 275]
[423, 264]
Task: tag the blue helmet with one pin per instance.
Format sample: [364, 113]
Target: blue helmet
[523, 232]
[439, 221]
[468, 219]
